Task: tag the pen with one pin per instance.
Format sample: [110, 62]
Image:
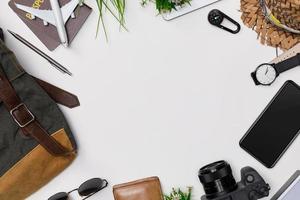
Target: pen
[45, 56]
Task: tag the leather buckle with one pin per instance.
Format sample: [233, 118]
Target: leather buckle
[22, 124]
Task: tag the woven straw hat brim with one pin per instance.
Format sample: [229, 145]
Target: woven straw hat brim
[268, 33]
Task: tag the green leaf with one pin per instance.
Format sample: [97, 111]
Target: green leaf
[164, 6]
[116, 8]
[179, 193]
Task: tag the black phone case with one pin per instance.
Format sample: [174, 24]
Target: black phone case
[248, 132]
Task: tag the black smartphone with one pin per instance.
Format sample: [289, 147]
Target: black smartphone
[276, 127]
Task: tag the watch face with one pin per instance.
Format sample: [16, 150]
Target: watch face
[266, 74]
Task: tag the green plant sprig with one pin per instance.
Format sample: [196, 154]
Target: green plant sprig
[178, 194]
[109, 5]
[164, 6]
[116, 8]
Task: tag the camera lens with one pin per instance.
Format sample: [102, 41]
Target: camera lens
[217, 179]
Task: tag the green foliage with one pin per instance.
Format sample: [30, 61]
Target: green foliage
[179, 195]
[114, 7]
[166, 5]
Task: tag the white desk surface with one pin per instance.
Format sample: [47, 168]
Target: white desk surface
[163, 99]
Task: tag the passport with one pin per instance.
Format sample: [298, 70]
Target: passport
[48, 35]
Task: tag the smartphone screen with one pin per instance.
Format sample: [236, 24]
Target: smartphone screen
[276, 127]
[290, 190]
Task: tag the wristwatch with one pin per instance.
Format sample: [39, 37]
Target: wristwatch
[266, 73]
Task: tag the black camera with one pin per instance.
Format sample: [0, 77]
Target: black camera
[219, 183]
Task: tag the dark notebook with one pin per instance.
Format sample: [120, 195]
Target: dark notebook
[48, 34]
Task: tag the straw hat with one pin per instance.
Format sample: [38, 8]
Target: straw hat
[277, 22]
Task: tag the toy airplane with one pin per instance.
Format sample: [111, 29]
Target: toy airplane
[58, 16]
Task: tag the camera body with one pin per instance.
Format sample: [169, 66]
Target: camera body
[219, 183]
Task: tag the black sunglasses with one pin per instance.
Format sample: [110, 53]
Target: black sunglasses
[86, 189]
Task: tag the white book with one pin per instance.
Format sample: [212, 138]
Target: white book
[195, 5]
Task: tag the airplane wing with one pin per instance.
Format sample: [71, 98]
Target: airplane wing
[68, 9]
[46, 15]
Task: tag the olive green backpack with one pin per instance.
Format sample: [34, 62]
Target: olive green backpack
[36, 143]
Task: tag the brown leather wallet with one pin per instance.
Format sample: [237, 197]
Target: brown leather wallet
[143, 189]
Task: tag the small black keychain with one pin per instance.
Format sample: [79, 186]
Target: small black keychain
[216, 17]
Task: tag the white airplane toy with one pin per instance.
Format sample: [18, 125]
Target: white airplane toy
[58, 16]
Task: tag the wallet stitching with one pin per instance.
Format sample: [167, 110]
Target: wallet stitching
[135, 183]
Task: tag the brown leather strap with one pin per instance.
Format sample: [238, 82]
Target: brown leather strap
[59, 95]
[25, 119]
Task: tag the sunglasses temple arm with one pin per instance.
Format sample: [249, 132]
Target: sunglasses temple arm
[106, 184]
[89, 195]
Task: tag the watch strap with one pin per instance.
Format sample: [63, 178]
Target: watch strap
[253, 76]
[287, 64]
[287, 54]
[1, 34]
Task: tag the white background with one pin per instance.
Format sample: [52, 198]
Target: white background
[163, 99]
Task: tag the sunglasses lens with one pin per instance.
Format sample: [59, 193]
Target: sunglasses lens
[59, 196]
[91, 186]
